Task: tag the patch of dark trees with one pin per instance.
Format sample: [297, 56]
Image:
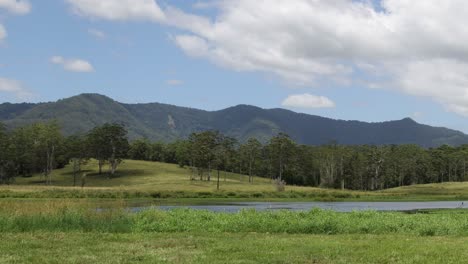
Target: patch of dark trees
[41, 148]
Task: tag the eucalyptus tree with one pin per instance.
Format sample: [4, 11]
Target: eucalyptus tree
[22, 151]
[7, 171]
[203, 150]
[95, 143]
[224, 152]
[251, 151]
[140, 149]
[47, 141]
[182, 152]
[282, 148]
[109, 143]
[77, 154]
[377, 157]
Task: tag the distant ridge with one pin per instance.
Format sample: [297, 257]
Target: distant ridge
[163, 122]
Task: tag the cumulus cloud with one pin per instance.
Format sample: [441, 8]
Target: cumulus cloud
[73, 65]
[14, 87]
[19, 7]
[118, 10]
[415, 47]
[308, 101]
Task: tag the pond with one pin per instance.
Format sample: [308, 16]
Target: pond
[233, 207]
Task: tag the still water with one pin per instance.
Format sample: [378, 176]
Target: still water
[305, 206]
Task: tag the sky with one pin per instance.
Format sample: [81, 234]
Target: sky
[344, 59]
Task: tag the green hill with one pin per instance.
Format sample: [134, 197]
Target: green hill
[161, 180]
[164, 122]
[150, 176]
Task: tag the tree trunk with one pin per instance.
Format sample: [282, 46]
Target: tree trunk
[250, 169]
[281, 169]
[113, 162]
[464, 170]
[74, 172]
[191, 170]
[217, 184]
[209, 170]
[100, 163]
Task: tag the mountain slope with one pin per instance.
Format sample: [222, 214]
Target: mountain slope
[164, 122]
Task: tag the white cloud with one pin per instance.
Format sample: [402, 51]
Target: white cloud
[14, 87]
[3, 33]
[74, 65]
[308, 101]
[174, 82]
[192, 45]
[118, 10]
[97, 33]
[19, 7]
[415, 47]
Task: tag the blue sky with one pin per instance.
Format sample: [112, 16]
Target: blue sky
[138, 57]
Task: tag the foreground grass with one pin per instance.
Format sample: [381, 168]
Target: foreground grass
[141, 179]
[63, 216]
[72, 247]
[73, 231]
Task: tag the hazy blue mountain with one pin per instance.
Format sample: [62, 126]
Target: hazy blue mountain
[164, 122]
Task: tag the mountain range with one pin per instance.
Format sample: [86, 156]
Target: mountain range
[163, 122]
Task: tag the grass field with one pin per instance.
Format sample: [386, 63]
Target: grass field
[143, 175]
[39, 229]
[141, 179]
[72, 247]
[62, 231]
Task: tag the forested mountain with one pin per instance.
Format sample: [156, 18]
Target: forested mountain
[156, 121]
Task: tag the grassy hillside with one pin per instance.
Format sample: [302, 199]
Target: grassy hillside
[151, 176]
[435, 189]
[142, 179]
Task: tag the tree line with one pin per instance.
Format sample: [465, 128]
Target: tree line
[41, 148]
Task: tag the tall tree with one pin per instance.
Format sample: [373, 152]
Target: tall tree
[77, 154]
[282, 148]
[7, 169]
[251, 152]
[48, 140]
[109, 143]
[140, 150]
[224, 151]
[203, 149]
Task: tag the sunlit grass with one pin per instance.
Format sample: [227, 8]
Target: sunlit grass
[143, 175]
[75, 247]
[142, 179]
